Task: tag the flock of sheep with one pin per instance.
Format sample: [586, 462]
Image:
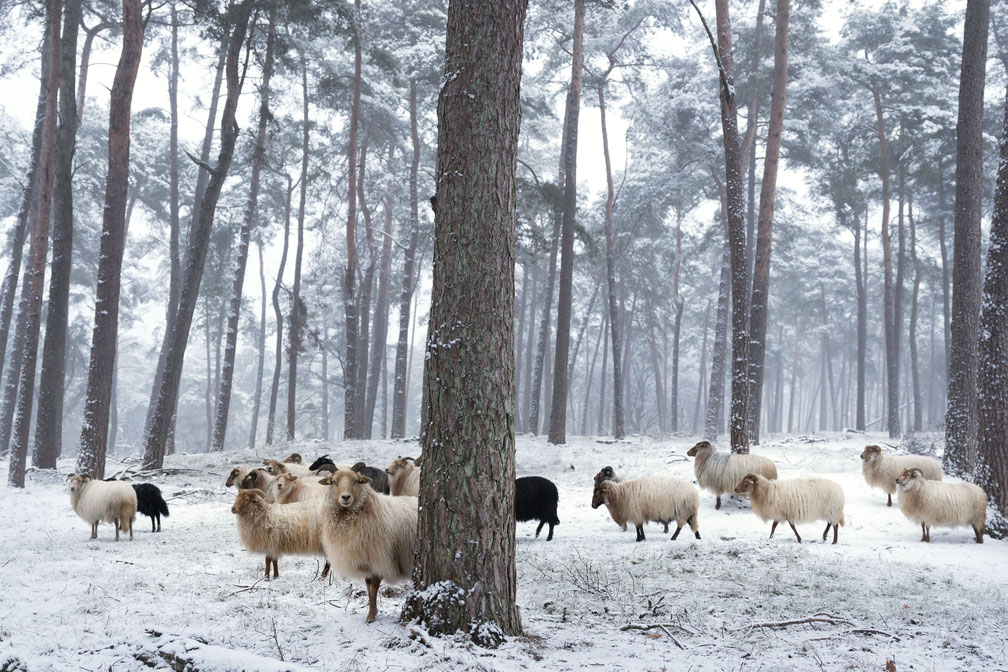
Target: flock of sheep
[363, 520]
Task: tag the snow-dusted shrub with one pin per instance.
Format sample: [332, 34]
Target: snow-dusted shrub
[639, 500]
[930, 502]
[368, 535]
[881, 471]
[720, 472]
[290, 488]
[796, 500]
[277, 530]
[103, 501]
[536, 499]
[404, 477]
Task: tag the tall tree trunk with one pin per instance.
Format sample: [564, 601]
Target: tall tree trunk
[278, 358]
[380, 330]
[196, 252]
[34, 273]
[257, 398]
[946, 274]
[918, 410]
[530, 344]
[898, 293]
[545, 322]
[764, 236]
[656, 371]
[678, 304]
[297, 319]
[90, 35]
[713, 422]
[992, 378]
[861, 290]
[101, 370]
[615, 325]
[590, 376]
[703, 370]
[961, 419]
[824, 359]
[473, 302]
[350, 311]
[602, 377]
[238, 281]
[364, 305]
[519, 352]
[558, 407]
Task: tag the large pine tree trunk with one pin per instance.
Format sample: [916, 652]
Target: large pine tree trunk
[399, 390]
[715, 396]
[350, 312]
[615, 324]
[918, 406]
[992, 378]
[764, 236]
[861, 290]
[34, 274]
[961, 419]
[278, 314]
[558, 407]
[257, 397]
[196, 252]
[364, 305]
[545, 322]
[101, 370]
[459, 585]
[238, 281]
[380, 329]
[297, 318]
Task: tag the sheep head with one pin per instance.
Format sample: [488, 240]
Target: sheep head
[275, 467]
[76, 482]
[748, 484]
[605, 474]
[701, 447]
[232, 477]
[317, 464]
[285, 481]
[347, 488]
[870, 453]
[399, 465]
[910, 479]
[597, 499]
[253, 479]
[293, 458]
[247, 501]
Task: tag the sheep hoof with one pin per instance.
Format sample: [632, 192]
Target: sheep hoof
[371, 618]
[697, 533]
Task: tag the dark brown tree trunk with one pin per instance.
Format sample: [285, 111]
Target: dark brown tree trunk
[459, 585]
[101, 370]
[248, 220]
[278, 358]
[961, 419]
[297, 319]
[558, 407]
[364, 305]
[545, 322]
[992, 378]
[861, 289]
[90, 34]
[714, 422]
[764, 236]
[398, 429]
[350, 311]
[195, 259]
[615, 324]
[257, 398]
[34, 273]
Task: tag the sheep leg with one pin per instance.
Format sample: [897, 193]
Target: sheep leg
[325, 571]
[640, 533]
[94, 530]
[665, 523]
[676, 532]
[923, 532]
[118, 524]
[717, 504]
[836, 532]
[978, 531]
[372, 591]
[539, 529]
[927, 531]
[549, 537]
[890, 500]
[795, 531]
[276, 570]
[773, 528]
[826, 531]
[693, 525]
[131, 529]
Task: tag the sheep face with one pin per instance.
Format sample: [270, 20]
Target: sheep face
[246, 501]
[293, 458]
[76, 482]
[254, 479]
[398, 465]
[232, 477]
[285, 482]
[604, 488]
[702, 446]
[747, 484]
[909, 479]
[606, 473]
[275, 467]
[870, 453]
[597, 499]
[347, 488]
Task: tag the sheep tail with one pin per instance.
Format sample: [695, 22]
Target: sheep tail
[163, 506]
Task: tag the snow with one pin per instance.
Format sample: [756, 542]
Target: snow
[193, 593]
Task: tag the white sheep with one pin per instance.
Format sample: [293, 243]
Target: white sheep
[260, 479]
[881, 471]
[719, 472]
[237, 475]
[368, 535]
[940, 504]
[103, 501]
[277, 530]
[290, 488]
[404, 477]
[796, 500]
[276, 467]
[639, 500]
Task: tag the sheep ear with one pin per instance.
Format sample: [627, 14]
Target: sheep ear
[325, 481]
[417, 460]
[363, 480]
[85, 477]
[290, 476]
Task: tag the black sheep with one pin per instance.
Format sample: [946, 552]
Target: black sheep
[379, 479]
[536, 499]
[151, 504]
[320, 462]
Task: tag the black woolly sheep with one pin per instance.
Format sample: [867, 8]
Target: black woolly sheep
[379, 479]
[536, 499]
[151, 503]
[320, 462]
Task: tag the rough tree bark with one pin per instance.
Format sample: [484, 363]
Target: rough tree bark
[918, 409]
[364, 303]
[350, 273]
[961, 419]
[101, 370]
[459, 585]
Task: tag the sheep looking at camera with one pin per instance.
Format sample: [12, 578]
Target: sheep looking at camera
[639, 500]
[103, 501]
[797, 500]
[290, 488]
[368, 535]
[719, 472]
[881, 471]
[933, 503]
[276, 467]
[404, 477]
[277, 530]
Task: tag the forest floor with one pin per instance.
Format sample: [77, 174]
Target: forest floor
[191, 594]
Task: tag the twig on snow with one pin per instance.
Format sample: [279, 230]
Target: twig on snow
[245, 588]
[664, 627]
[277, 640]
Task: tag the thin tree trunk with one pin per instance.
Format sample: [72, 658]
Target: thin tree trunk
[679, 305]
[363, 421]
[590, 377]
[545, 323]
[257, 397]
[946, 274]
[600, 429]
[860, 288]
[918, 410]
[380, 330]
[715, 398]
[529, 345]
[90, 34]
[297, 319]
[520, 360]
[238, 281]
[615, 325]
[350, 311]
[101, 370]
[703, 370]
[278, 357]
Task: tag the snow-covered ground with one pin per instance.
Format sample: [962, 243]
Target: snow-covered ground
[191, 593]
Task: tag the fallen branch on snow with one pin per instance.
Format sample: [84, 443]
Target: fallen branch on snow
[664, 627]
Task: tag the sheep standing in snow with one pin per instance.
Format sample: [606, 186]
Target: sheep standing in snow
[277, 530]
[151, 503]
[797, 500]
[536, 499]
[881, 471]
[368, 535]
[930, 502]
[404, 477]
[290, 488]
[103, 501]
[379, 479]
[639, 500]
[719, 472]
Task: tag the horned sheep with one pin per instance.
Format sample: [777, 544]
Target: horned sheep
[639, 500]
[881, 471]
[797, 500]
[932, 503]
[404, 477]
[103, 501]
[719, 472]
